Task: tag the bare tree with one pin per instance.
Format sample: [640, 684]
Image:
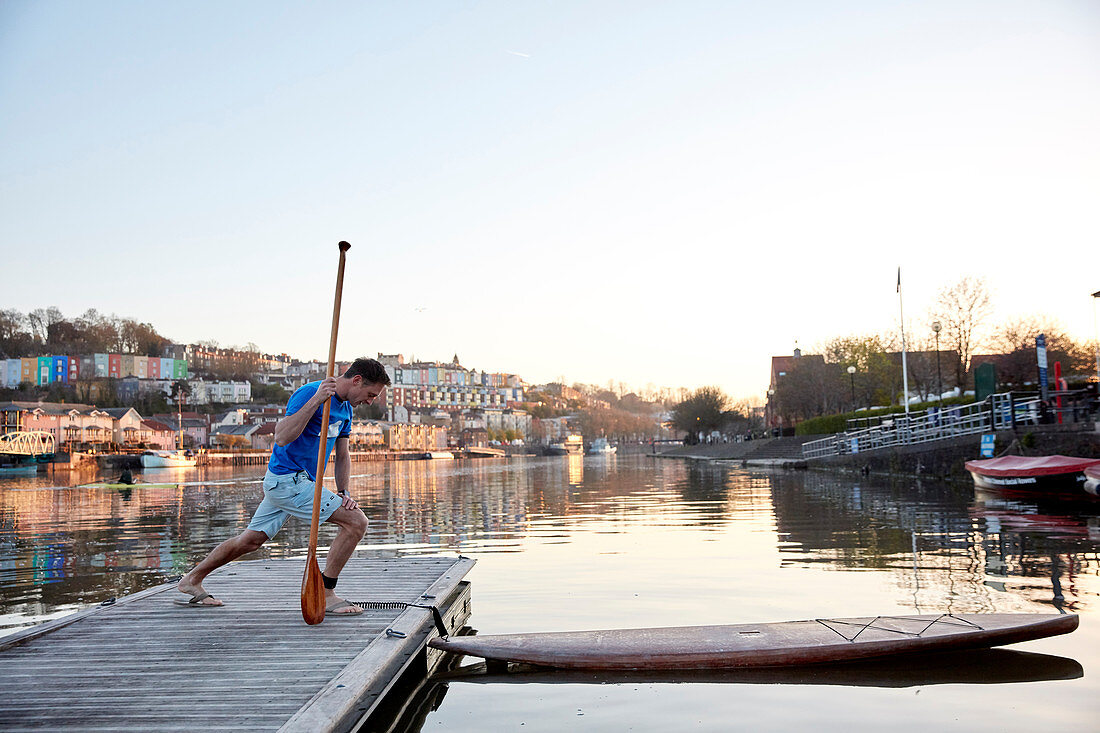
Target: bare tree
[40, 320]
[14, 340]
[1015, 341]
[964, 309]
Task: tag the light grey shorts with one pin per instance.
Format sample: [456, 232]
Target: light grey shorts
[287, 495]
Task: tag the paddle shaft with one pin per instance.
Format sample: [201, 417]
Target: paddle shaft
[309, 603]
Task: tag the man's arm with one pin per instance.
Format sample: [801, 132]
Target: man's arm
[290, 427]
[343, 473]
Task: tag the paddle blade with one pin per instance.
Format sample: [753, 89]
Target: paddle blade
[313, 593]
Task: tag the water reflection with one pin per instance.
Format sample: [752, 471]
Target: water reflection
[983, 666]
[64, 544]
[941, 541]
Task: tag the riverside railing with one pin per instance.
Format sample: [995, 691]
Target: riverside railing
[996, 412]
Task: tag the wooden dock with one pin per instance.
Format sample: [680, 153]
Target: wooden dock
[144, 663]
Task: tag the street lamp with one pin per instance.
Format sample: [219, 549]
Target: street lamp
[1096, 338]
[852, 378]
[936, 328]
[771, 412]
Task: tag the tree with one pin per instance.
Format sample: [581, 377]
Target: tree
[811, 388]
[1015, 341]
[40, 321]
[15, 339]
[964, 309]
[140, 338]
[702, 412]
[100, 332]
[877, 379]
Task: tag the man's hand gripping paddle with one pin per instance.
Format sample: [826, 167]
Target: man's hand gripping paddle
[313, 587]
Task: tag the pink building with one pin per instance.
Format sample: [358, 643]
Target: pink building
[158, 435]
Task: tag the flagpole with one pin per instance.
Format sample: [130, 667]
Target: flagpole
[904, 361]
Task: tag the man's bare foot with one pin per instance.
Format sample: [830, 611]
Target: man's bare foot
[336, 606]
[195, 590]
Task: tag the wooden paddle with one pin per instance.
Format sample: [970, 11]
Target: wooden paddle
[313, 587]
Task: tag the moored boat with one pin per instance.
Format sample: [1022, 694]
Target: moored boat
[1092, 480]
[178, 458]
[1055, 473]
[571, 445]
[168, 459]
[437, 454]
[600, 447]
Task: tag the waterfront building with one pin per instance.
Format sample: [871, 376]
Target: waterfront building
[129, 389]
[366, 434]
[159, 435]
[44, 372]
[266, 414]
[196, 430]
[205, 393]
[14, 372]
[237, 416]
[28, 368]
[407, 436]
[59, 369]
[234, 436]
[449, 386]
[127, 430]
[274, 362]
[153, 367]
[75, 427]
[114, 366]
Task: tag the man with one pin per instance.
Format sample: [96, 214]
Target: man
[289, 483]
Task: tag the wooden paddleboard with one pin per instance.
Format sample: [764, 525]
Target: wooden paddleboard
[761, 645]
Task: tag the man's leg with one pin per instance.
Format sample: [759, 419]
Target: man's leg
[248, 541]
[353, 525]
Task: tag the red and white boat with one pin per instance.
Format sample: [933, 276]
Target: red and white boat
[1032, 473]
[1092, 480]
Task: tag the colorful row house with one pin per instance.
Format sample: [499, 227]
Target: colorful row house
[40, 370]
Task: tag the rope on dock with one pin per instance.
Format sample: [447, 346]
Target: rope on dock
[437, 617]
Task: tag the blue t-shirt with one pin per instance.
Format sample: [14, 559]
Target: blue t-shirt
[301, 453]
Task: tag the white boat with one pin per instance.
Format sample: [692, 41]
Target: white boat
[439, 454]
[600, 447]
[1092, 480]
[573, 444]
[168, 459]
[171, 458]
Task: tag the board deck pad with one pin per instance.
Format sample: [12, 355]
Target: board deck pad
[787, 643]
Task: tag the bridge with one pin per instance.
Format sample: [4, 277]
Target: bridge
[34, 443]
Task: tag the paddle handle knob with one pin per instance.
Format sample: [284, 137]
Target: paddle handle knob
[344, 246]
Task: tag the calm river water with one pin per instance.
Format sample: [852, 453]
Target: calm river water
[631, 541]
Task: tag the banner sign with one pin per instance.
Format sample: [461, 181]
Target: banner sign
[1041, 355]
[988, 441]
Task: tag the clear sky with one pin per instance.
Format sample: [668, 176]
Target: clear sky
[662, 193]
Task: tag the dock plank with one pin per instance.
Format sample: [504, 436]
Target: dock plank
[145, 663]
